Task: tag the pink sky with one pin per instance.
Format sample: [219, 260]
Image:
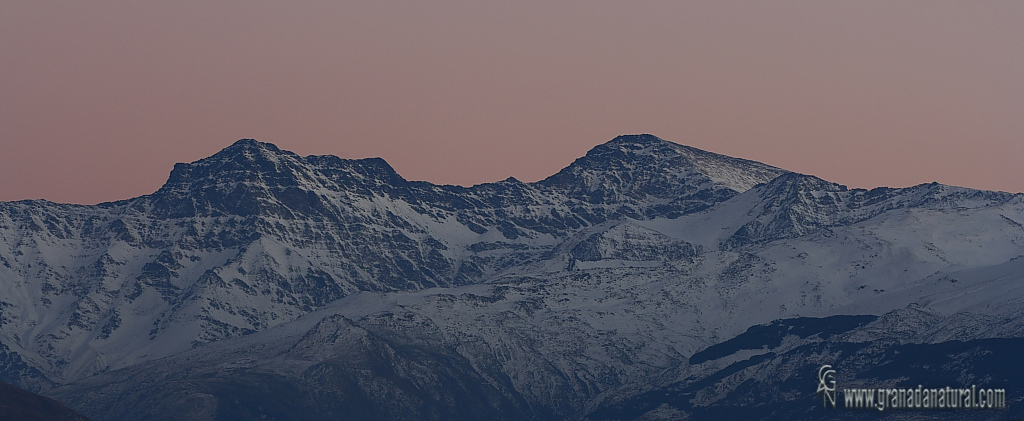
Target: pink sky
[98, 99]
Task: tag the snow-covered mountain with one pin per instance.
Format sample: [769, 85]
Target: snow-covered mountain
[257, 282]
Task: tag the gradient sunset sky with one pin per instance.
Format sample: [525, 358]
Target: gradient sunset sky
[99, 99]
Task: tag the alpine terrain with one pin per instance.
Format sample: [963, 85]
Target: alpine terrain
[646, 280]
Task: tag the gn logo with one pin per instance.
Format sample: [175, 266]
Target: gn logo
[827, 385]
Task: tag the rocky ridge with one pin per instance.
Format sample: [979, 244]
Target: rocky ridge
[552, 299]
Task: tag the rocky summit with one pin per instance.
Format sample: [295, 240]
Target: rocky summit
[646, 280]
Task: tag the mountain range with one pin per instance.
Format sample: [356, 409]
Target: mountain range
[646, 280]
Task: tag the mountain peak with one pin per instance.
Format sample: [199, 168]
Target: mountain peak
[639, 165]
[249, 149]
[733, 173]
[244, 143]
[244, 178]
[634, 143]
[251, 177]
[643, 139]
[246, 159]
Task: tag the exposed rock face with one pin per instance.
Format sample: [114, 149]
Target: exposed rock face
[339, 286]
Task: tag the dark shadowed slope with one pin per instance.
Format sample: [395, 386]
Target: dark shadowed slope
[20, 405]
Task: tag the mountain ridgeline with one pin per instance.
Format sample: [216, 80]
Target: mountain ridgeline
[259, 283]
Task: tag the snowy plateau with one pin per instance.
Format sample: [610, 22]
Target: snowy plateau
[646, 280]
